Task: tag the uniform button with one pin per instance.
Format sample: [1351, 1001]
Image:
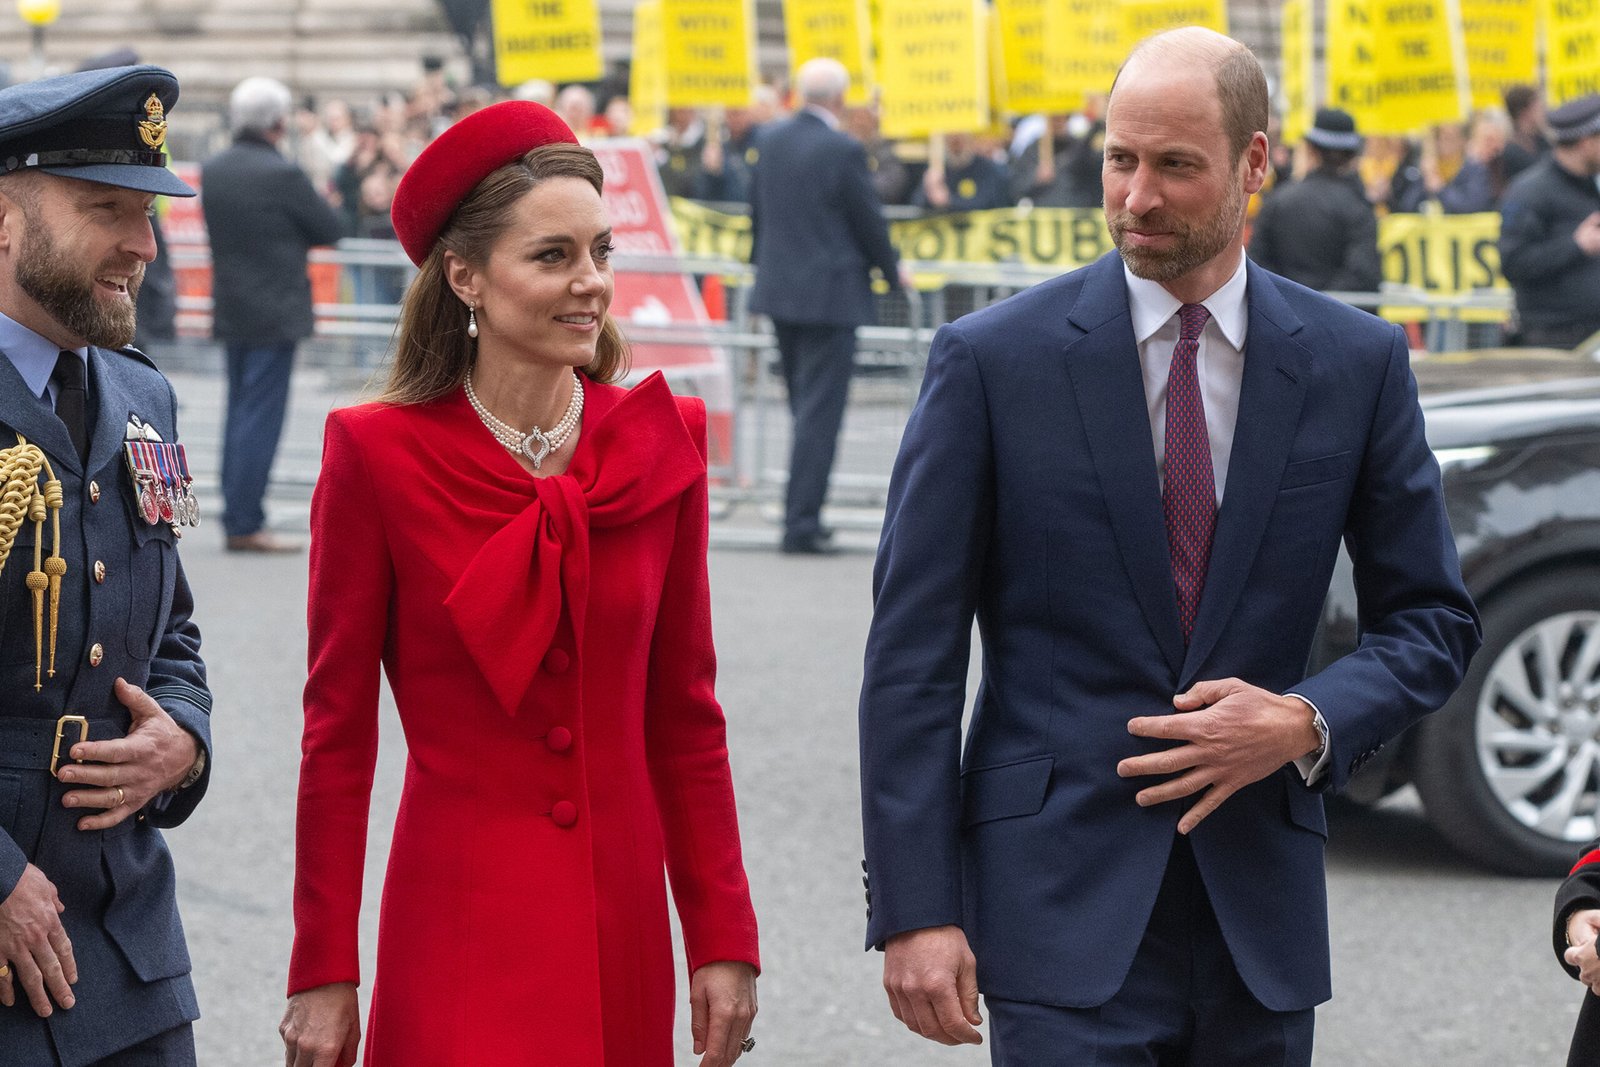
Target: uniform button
[557, 661]
[99, 570]
[96, 654]
[564, 814]
[94, 492]
[559, 739]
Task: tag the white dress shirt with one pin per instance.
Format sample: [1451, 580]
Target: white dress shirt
[1219, 366]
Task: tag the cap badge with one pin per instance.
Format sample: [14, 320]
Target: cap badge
[153, 128]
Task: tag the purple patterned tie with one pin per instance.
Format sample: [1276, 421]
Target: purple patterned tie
[1189, 496]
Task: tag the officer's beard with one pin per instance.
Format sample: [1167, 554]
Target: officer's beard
[64, 292]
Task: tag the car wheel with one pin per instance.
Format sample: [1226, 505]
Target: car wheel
[1509, 769]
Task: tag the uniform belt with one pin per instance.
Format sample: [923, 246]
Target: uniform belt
[30, 744]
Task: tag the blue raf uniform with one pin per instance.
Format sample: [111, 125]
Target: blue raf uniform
[124, 612]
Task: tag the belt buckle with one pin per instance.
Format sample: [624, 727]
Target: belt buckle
[61, 728]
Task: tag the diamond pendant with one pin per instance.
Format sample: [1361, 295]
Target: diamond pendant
[536, 446]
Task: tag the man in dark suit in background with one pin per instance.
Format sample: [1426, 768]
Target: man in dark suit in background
[1136, 477]
[104, 709]
[818, 228]
[262, 216]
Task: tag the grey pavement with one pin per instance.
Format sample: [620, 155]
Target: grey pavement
[1434, 961]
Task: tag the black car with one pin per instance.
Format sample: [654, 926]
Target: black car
[1509, 770]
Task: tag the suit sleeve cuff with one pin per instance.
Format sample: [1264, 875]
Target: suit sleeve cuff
[12, 864]
[1314, 767]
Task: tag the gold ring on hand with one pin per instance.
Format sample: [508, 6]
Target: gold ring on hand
[120, 794]
[5, 970]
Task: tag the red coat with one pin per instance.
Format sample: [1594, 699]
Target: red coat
[548, 642]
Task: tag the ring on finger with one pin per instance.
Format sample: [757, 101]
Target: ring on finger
[120, 797]
[5, 970]
[747, 1045]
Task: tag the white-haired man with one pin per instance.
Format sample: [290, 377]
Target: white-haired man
[263, 216]
[818, 228]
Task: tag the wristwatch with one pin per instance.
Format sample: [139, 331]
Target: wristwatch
[199, 769]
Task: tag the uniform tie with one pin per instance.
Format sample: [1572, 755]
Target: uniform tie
[1189, 496]
[72, 400]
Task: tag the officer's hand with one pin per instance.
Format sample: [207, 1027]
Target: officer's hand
[1587, 235]
[1233, 733]
[931, 977]
[1582, 928]
[123, 775]
[34, 943]
[322, 1027]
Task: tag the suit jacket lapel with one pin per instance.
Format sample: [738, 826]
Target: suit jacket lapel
[1106, 378]
[1276, 371]
[33, 418]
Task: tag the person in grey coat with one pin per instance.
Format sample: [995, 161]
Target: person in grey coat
[263, 216]
[104, 709]
[818, 227]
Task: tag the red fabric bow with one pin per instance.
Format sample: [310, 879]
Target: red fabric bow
[508, 603]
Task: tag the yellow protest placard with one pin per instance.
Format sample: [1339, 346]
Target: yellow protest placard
[1571, 49]
[647, 79]
[933, 67]
[1421, 64]
[1353, 62]
[711, 54]
[1295, 83]
[1084, 47]
[557, 40]
[1141, 18]
[831, 29]
[1027, 81]
[1502, 47]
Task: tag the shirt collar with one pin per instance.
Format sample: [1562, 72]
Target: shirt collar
[32, 355]
[1152, 307]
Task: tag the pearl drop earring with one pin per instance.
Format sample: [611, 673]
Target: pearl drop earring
[472, 320]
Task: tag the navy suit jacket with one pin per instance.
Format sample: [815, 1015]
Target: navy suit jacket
[118, 885]
[1026, 494]
[817, 226]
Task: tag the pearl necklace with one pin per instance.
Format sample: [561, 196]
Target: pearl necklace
[536, 444]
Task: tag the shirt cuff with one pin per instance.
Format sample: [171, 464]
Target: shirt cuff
[1312, 767]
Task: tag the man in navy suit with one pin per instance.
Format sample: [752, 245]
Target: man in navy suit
[818, 228]
[1137, 477]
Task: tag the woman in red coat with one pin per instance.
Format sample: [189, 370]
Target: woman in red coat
[523, 547]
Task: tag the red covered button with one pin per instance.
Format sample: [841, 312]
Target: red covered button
[559, 739]
[564, 814]
[556, 661]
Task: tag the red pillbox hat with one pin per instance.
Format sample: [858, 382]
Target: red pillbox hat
[461, 157]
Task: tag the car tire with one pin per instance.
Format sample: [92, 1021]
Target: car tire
[1508, 769]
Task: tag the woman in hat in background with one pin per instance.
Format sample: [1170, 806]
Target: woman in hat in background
[522, 544]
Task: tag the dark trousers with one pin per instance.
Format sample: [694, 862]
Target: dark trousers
[173, 1048]
[258, 396]
[817, 361]
[1182, 1005]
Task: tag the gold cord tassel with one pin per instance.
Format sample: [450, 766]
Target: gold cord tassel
[21, 497]
[38, 582]
[55, 567]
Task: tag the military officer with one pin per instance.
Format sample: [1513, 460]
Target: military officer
[104, 710]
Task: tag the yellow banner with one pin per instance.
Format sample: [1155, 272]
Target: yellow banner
[1443, 255]
[831, 29]
[711, 54]
[933, 67]
[1084, 47]
[1027, 82]
[1298, 96]
[1571, 49]
[1141, 18]
[1502, 47]
[1353, 62]
[1421, 72]
[647, 79]
[557, 40]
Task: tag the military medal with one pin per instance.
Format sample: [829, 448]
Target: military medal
[144, 479]
[163, 485]
[191, 504]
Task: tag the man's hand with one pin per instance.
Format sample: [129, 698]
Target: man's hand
[322, 1027]
[931, 977]
[123, 776]
[722, 1005]
[1235, 734]
[1582, 929]
[34, 943]
[1588, 235]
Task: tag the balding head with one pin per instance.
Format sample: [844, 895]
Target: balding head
[1241, 86]
[822, 82]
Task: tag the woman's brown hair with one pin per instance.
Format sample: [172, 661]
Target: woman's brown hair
[433, 352]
